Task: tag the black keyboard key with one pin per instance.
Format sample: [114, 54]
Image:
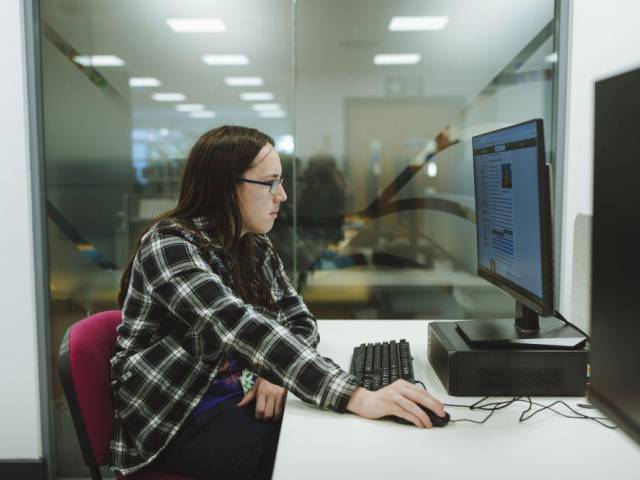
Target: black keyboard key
[376, 365]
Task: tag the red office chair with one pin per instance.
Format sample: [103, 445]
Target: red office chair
[84, 371]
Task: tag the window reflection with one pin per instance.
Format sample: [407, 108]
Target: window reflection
[400, 135]
[376, 157]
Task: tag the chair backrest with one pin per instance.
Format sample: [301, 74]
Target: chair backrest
[84, 370]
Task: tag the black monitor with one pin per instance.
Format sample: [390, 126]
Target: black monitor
[514, 238]
[615, 317]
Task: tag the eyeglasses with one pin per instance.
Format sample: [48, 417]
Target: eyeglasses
[273, 184]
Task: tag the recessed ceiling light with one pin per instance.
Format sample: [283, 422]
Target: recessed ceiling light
[397, 59]
[225, 59]
[266, 107]
[189, 107]
[196, 25]
[203, 114]
[144, 82]
[98, 60]
[278, 114]
[256, 96]
[169, 97]
[244, 81]
[414, 24]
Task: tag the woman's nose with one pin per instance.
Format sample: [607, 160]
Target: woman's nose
[281, 195]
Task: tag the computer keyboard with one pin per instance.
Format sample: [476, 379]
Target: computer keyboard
[376, 365]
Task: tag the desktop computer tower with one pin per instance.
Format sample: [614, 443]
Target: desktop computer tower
[480, 372]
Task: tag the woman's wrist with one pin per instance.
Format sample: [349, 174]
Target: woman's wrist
[356, 401]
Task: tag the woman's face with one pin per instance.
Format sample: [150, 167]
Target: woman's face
[258, 207]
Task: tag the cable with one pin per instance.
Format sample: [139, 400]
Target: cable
[492, 407]
[524, 417]
[475, 406]
[567, 322]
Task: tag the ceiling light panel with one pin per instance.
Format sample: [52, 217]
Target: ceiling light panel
[256, 96]
[137, 82]
[397, 59]
[416, 24]
[266, 107]
[169, 97]
[203, 114]
[244, 81]
[225, 59]
[196, 25]
[279, 114]
[98, 60]
[189, 107]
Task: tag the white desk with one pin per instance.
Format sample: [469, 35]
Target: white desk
[316, 444]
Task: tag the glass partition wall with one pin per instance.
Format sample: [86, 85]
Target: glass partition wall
[372, 105]
[386, 104]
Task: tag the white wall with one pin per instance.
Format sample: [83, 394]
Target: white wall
[20, 436]
[603, 41]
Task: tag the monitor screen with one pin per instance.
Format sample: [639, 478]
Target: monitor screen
[513, 213]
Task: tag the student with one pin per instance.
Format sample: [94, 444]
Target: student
[213, 334]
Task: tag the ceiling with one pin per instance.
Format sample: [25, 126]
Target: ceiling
[311, 40]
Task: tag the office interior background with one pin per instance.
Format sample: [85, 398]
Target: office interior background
[94, 146]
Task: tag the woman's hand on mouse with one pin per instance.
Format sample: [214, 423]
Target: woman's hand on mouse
[401, 399]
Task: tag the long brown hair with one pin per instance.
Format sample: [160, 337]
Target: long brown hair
[218, 158]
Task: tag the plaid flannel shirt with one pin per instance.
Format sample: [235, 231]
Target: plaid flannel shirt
[180, 317]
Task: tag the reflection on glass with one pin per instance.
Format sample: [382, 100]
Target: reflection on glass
[128, 87]
[376, 157]
[402, 105]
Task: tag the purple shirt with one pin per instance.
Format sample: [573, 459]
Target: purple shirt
[225, 385]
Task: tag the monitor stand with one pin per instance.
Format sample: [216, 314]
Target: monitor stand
[527, 331]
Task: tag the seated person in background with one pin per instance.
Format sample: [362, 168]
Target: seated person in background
[322, 203]
[213, 335]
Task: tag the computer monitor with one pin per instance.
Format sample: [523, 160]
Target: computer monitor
[514, 238]
[615, 321]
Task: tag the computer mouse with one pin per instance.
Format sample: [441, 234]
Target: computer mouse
[436, 421]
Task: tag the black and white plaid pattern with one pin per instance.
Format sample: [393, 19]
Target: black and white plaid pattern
[180, 317]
